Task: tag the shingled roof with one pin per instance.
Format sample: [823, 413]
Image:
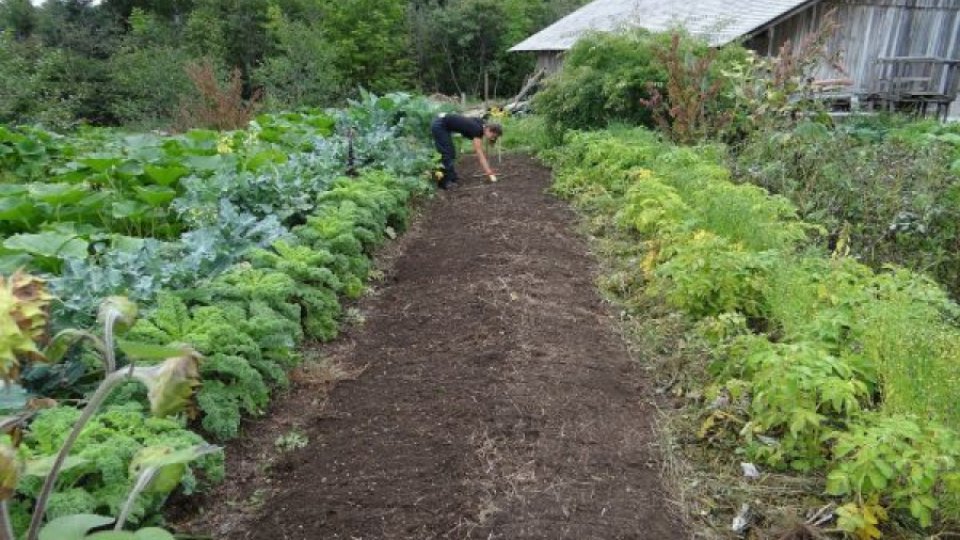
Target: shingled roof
[718, 21]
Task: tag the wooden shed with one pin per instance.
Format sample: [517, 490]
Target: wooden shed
[893, 53]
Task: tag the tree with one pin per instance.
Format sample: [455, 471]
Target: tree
[148, 74]
[18, 16]
[302, 71]
[80, 27]
[463, 45]
[371, 42]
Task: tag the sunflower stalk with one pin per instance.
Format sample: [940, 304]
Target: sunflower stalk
[96, 401]
[142, 482]
[6, 527]
[114, 310]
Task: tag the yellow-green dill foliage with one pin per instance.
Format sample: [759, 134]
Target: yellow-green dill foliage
[527, 134]
[705, 274]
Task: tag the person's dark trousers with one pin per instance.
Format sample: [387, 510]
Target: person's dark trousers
[448, 152]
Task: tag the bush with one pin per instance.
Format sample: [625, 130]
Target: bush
[301, 72]
[45, 85]
[215, 105]
[820, 363]
[888, 199]
[626, 77]
[148, 84]
[603, 79]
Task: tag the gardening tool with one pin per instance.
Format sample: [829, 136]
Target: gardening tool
[492, 178]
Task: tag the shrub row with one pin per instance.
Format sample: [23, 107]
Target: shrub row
[825, 365]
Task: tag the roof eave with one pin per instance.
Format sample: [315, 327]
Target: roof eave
[777, 20]
[536, 49]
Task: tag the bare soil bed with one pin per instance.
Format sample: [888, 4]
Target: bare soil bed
[487, 395]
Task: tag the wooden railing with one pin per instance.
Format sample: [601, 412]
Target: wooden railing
[916, 82]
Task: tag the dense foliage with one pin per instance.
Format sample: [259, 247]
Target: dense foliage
[818, 362]
[626, 77]
[125, 61]
[889, 190]
[241, 244]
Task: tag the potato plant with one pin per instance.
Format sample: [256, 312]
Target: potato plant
[822, 365]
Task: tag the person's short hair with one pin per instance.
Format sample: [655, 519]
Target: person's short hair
[496, 128]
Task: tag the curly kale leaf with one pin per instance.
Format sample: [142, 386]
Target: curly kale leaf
[222, 405]
[233, 357]
[246, 284]
[106, 446]
[206, 328]
[302, 263]
[318, 285]
[238, 373]
[272, 331]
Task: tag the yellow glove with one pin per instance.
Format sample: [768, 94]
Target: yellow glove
[493, 178]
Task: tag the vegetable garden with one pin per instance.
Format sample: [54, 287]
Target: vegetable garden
[792, 276]
[231, 247]
[793, 281]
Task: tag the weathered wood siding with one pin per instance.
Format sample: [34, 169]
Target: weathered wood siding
[871, 29]
[551, 61]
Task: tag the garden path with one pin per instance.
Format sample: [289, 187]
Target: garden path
[491, 395]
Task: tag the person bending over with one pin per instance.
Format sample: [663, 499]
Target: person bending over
[475, 129]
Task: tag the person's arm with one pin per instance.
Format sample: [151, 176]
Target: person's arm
[478, 148]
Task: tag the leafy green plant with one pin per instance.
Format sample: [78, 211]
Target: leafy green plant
[819, 361]
[232, 383]
[170, 383]
[76, 527]
[317, 284]
[293, 440]
[798, 391]
[707, 275]
[903, 462]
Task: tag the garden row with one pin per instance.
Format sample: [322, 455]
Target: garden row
[257, 238]
[818, 363]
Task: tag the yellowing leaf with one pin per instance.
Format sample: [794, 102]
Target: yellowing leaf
[170, 385]
[11, 469]
[23, 320]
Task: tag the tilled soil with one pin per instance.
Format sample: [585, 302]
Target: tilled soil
[494, 398]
